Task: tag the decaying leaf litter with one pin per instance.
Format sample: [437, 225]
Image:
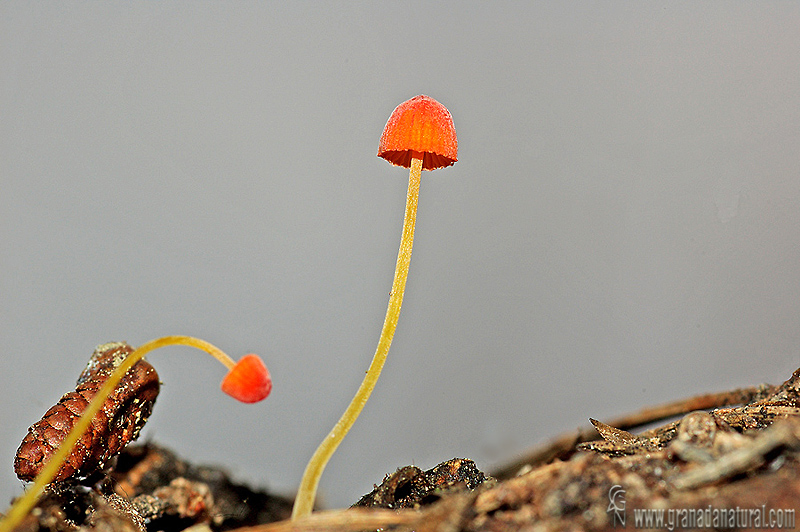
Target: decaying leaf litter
[734, 449]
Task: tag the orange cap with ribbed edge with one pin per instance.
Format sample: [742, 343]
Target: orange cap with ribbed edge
[420, 125]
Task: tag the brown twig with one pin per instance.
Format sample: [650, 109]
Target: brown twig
[782, 433]
[351, 520]
[563, 445]
[445, 516]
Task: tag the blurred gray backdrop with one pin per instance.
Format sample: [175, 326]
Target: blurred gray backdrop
[621, 228]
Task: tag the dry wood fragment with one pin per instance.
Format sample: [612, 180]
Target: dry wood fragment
[563, 446]
[782, 433]
[351, 520]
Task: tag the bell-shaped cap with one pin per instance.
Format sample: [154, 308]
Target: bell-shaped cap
[420, 125]
[248, 380]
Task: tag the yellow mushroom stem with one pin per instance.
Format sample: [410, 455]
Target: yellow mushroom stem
[306, 494]
[24, 504]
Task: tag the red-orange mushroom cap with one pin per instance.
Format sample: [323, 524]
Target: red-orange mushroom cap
[248, 380]
[417, 126]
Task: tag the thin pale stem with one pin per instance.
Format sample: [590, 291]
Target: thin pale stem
[306, 494]
[24, 504]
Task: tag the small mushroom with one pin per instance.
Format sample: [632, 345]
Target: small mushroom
[248, 381]
[418, 135]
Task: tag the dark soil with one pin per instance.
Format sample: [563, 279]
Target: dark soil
[717, 466]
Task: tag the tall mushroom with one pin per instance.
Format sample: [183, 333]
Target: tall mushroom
[418, 135]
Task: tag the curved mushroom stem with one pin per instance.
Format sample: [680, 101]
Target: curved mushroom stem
[24, 504]
[304, 501]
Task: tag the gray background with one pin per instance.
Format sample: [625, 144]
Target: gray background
[621, 228]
